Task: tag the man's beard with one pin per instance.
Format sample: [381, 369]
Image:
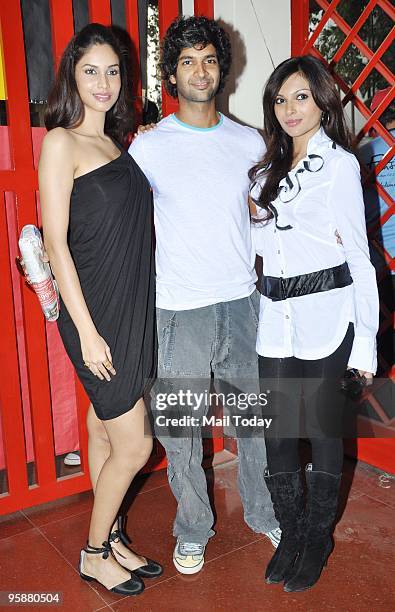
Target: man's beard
[190, 97]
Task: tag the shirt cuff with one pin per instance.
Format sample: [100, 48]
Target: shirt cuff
[363, 354]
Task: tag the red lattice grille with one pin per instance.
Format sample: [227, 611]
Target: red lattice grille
[356, 41]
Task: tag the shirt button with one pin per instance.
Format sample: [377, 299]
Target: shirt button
[282, 271]
[286, 316]
[278, 252]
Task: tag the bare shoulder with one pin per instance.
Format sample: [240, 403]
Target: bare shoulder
[57, 157]
[58, 148]
[57, 140]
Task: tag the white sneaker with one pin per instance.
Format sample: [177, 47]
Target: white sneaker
[72, 458]
[274, 536]
[188, 557]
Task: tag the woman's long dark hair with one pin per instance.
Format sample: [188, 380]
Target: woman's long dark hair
[65, 108]
[277, 161]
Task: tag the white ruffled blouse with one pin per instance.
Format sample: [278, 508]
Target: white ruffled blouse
[318, 223]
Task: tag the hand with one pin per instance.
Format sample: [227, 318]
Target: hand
[368, 376]
[20, 264]
[97, 356]
[144, 128]
[44, 257]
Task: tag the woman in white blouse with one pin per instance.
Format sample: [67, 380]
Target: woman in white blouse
[319, 304]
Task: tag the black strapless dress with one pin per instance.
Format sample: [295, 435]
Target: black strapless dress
[110, 240]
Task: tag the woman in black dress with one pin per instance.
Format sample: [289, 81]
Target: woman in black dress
[96, 210]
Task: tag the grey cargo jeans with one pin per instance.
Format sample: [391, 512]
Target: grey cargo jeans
[218, 339]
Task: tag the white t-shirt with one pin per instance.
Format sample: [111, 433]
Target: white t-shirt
[199, 177]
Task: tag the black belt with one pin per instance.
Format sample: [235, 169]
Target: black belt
[278, 288]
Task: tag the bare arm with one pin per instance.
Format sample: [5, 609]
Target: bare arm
[252, 207]
[56, 175]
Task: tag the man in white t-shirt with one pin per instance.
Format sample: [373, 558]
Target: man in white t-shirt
[197, 161]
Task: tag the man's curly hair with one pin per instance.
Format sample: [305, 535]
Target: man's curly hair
[187, 32]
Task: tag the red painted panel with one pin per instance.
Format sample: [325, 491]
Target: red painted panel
[377, 452]
[205, 7]
[82, 408]
[46, 492]
[100, 11]
[300, 25]
[22, 153]
[16, 79]
[168, 11]
[10, 397]
[62, 24]
[132, 26]
[37, 361]
[10, 202]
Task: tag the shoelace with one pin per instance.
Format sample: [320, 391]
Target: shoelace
[190, 548]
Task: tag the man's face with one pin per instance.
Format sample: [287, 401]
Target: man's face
[198, 75]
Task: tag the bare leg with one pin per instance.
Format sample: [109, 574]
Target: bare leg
[130, 448]
[98, 453]
[98, 445]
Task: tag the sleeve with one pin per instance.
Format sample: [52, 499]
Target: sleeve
[260, 147]
[260, 214]
[137, 151]
[256, 236]
[346, 202]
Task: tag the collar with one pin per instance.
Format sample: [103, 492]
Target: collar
[290, 185]
[199, 129]
[319, 141]
[317, 144]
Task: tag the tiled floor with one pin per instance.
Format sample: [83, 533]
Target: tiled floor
[39, 549]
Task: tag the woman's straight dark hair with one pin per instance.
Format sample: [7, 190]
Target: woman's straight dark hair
[277, 161]
[65, 108]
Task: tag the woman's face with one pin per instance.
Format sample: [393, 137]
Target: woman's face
[295, 109]
[98, 78]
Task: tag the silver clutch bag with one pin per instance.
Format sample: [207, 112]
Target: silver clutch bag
[38, 272]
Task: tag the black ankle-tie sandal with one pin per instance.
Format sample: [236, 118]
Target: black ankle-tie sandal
[152, 569]
[133, 586]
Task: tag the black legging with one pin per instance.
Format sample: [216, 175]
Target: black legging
[314, 385]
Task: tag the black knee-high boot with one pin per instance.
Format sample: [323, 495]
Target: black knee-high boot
[322, 501]
[287, 496]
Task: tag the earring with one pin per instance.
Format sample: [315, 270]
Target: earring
[324, 118]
